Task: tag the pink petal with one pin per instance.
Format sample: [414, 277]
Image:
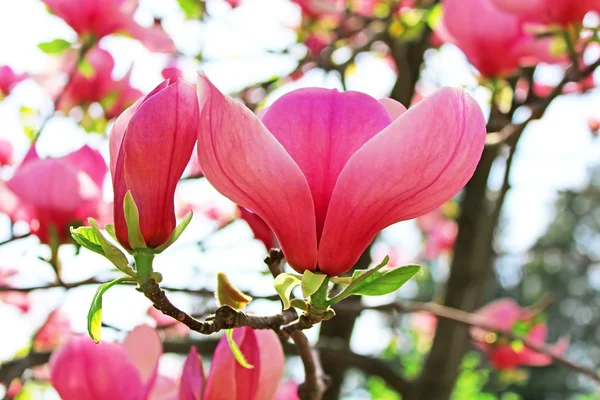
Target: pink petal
[89, 161]
[164, 389]
[393, 107]
[272, 361]
[221, 383]
[243, 161]
[287, 391]
[6, 152]
[144, 348]
[321, 129]
[412, 167]
[153, 37]
[84, 370]
[155, 150]
[259, 228]
[192, 377]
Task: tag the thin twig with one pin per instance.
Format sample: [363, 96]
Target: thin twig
[14, 238]
[314, 385]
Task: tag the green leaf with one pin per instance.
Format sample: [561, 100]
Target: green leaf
[386, 281]
[110, 229]
[237, 353]
[85, 236]
[175, 234]
[311, 282]
[94, 319]
[112, 252]
[284, 284]
[228, 294]
[132, 218]
[85, 68]
[56, 46]
[358, 278]
[191, 8]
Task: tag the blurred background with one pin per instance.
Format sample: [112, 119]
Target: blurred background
[537, 207]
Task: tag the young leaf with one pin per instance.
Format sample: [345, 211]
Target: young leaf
[237, 353]
[311, 282]
[111, 252]
[175, 234]
[284, 284]
[94, 319]
[227, 294]
[132, 218]
[358, 278]
[386, 281]
[56, 46]
[86, 237]
[110, 229]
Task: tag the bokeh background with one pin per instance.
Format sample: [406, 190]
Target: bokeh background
[546, 244]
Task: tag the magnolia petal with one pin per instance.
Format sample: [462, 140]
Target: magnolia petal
[272, 361]
[84, 370]
[144, 348]
[321, 129]
[192, 377]
[221, 383]
[393, 107]
[89, 161]
[164, 389]
[244, 162]
[412, 167]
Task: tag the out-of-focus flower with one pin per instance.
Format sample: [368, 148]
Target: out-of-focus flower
[229, 380]
[82, 369]
[287, 391]
[8, 79]
[172, 73]
[562, 12]
[345, 165]
[55, 331]
[594, 125]
[17, 299]
[170, 325]
[318, 8]
[6, 152]
[52, 194]
[99, 18]
[150, 146]
[424, 325]
[495, 42]
[98, 85]
[440, 233]
[506, 315]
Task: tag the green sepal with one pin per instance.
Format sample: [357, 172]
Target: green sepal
[237, 353]
[284, 284]
[112, 252]
[132, 218]
[86, 237]
[110, 229]
[94, 318]
[175, 234]
[311, 282]
[300, 304]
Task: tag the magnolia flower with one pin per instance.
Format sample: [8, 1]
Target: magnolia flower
[150, 146]
[100, 18]
[227, 379]
[327, 171]
[494, 41]
[259, 228]
[53, 193]
[82, 369]
[6, 152]
[17, 299]
[506, 315]
[97, 85]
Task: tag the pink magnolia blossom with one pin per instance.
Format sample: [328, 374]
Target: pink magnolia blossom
[150, 146]
[100, 18]
[84, 370]
[52, 193]
[8, 79]
[440, 233]
[228, 380]
[17, 299]
[494, 41]
[171, 325]
[54, 332]
[98, 85]
[503, 314]
[6, 152]
[344, 166]
[259, 228]
[562, 12]
[172, 73]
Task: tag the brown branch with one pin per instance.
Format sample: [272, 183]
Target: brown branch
[14, 238]
[314, 385]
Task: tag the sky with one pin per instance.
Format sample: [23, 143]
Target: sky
[238, 45]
